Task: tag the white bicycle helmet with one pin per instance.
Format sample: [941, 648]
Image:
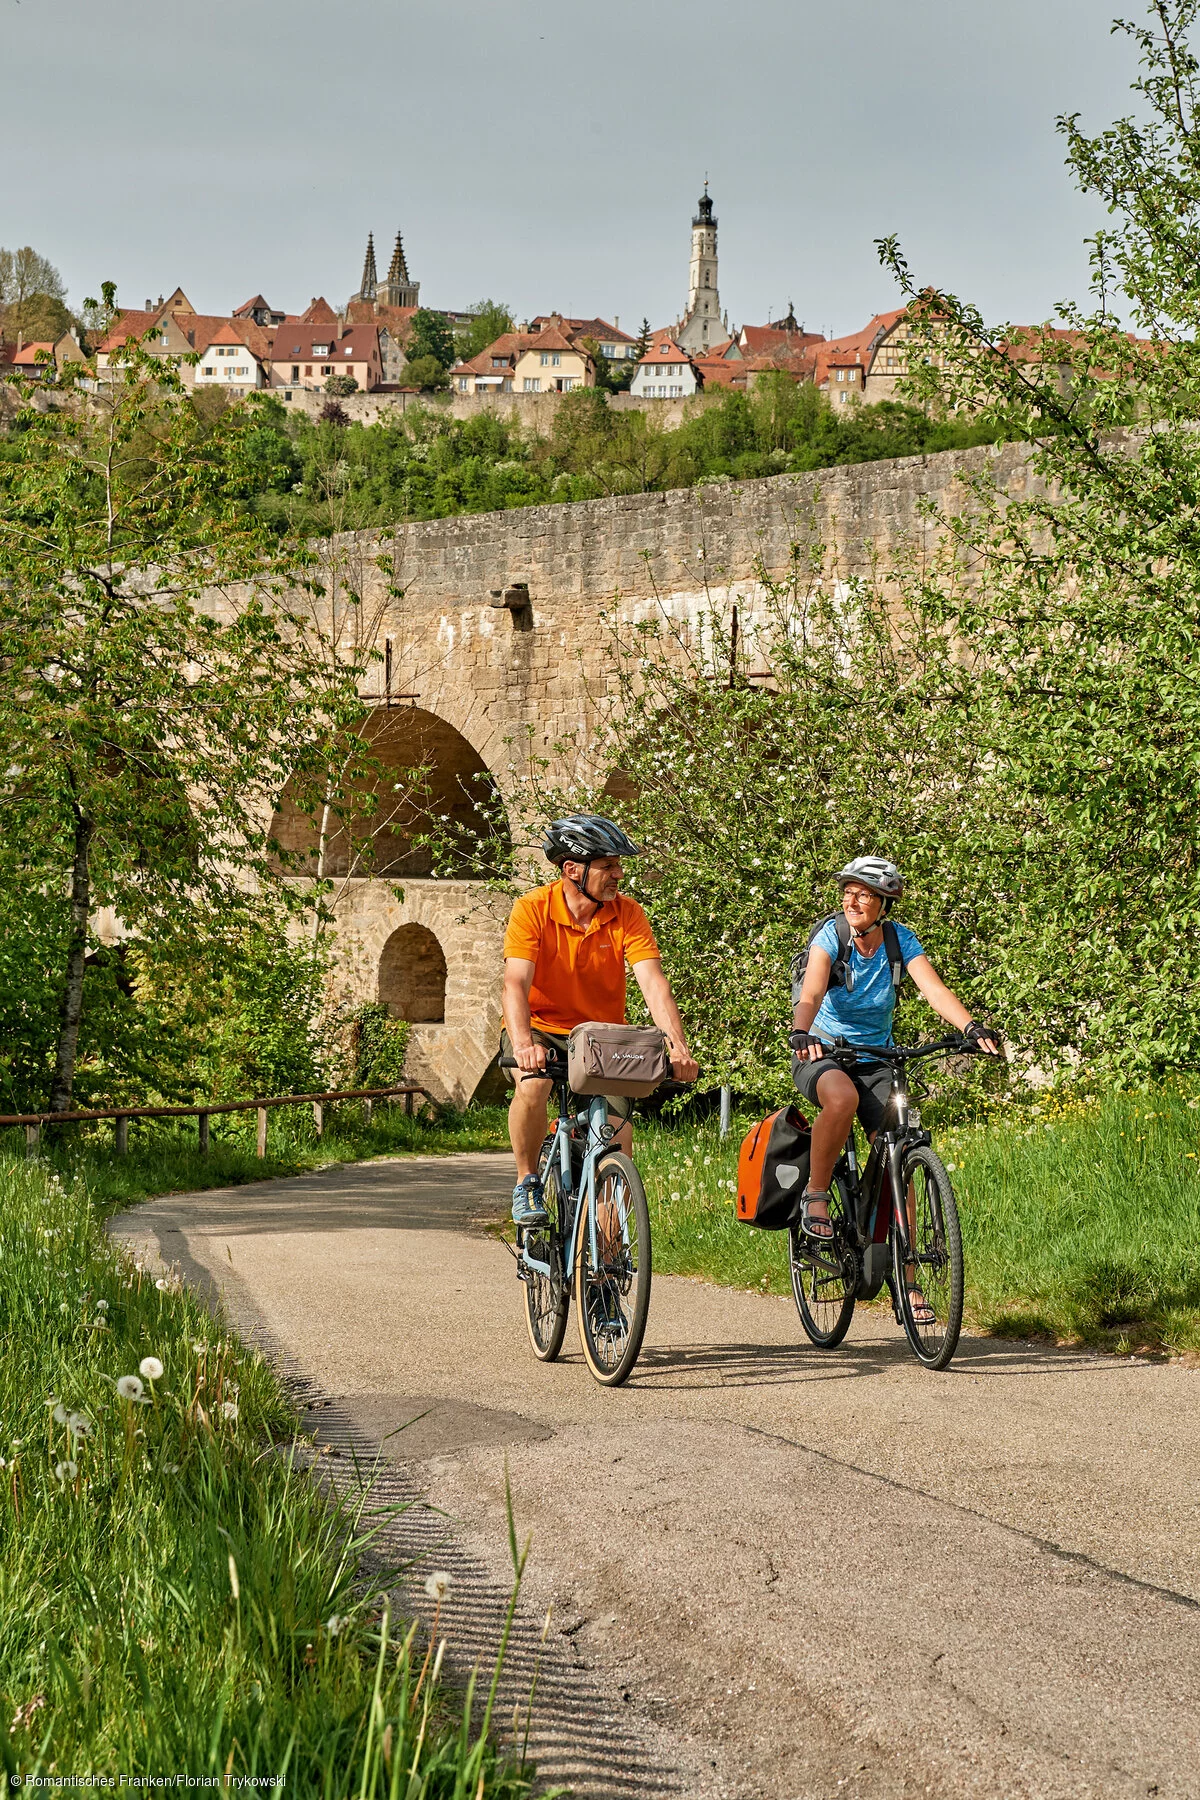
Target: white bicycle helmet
[874, 872]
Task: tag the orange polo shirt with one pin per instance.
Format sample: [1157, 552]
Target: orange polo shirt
[578, 970]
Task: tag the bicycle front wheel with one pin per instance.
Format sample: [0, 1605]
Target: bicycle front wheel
[612, 1285]
[825, 1276]
[935, 1271]
[546, 1297]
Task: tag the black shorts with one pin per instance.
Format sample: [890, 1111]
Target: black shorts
[873, 1081]
[619, 1105]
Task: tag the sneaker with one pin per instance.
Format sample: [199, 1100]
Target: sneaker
[528, 1206]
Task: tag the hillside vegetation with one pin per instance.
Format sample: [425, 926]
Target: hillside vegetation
[317, 476]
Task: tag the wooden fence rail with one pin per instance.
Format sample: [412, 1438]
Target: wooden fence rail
[121, 1115]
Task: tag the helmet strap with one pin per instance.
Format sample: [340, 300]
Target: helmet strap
[581, 887]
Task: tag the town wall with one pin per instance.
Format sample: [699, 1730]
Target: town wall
[533, 411]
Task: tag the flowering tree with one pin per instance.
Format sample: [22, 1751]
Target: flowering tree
[1076, 603]
[157, 685]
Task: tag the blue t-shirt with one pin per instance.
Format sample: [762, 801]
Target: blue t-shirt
[862, 1012]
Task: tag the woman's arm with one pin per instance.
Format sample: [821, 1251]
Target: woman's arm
[816, 984]
[945, 1004]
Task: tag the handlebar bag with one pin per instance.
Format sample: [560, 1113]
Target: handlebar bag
[616, 1059]
[773, 1170]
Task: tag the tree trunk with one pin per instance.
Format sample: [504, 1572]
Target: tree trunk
[72, 1001]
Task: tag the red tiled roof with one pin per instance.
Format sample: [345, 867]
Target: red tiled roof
[318, 312]
[255, 304]
[551, 338]
[27, 356]
[662, 348]
[759, 340]
[857, 349]
[594, 328]
[127, 324]
[296, 340]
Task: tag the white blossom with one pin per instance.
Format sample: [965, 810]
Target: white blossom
[130, 1388]
[438, 1585]
[65, 1471]
[150, 1367]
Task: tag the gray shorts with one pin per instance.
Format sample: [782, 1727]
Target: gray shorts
[620, 1106]
[873, 1081]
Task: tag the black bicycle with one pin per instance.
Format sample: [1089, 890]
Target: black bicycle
[896, 1222]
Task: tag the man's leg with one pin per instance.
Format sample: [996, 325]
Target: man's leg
[527, 1122]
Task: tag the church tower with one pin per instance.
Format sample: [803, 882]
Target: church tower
[701, 325]
[399, 289]
[370, 281]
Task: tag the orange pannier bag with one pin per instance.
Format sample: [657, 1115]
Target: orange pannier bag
[773, 1170]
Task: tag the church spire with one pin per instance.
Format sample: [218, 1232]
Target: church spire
[370, 280]
[398, 272]
[400, 289]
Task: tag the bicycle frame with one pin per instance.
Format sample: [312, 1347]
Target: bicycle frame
[599, 1137]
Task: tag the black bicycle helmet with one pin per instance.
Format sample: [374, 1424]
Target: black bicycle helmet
[874, 872]
[581, 837]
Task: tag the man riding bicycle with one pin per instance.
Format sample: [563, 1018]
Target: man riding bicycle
[565, 951]
[857, 1005]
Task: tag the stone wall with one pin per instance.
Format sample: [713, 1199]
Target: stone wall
[534, 411]
[490, 673]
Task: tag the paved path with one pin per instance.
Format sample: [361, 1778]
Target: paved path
[775, 1573]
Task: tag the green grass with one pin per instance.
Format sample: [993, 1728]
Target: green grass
[1080, 1222]
[163, 1157]
[178, 1594]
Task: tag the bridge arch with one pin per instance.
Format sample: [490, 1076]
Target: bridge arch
[425, 777]
[412, 976]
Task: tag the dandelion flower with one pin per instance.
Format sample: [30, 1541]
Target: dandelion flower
[65, 1471]
[336, 1622]
[130, 1388]
[150, 1367]
[60, 1414]
[162, 1284]
[102, 1306]
[79, 1425]
[229, 1410]
[438, 1585]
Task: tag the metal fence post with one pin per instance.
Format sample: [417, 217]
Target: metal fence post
[202, 1122]
[319, 1118]
[726, 1108]
[261, 1142]
[121, 1133]
[33, 1139]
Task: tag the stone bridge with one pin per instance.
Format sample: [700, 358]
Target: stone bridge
[464, 674]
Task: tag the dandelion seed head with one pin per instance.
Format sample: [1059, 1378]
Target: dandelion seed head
[79, 1425]
[129, 1387]
[102, 1306]
[150, 1367]
[60, 1414]
[162, 1284]
[438, 1585]
[229, 1410]
[65, 1471]
[336, 1622]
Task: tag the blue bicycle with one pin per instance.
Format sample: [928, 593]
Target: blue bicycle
[596, 1239]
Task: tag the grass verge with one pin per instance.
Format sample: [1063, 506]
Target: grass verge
[178, 1595]
[1080, 1222]
[163, 1157]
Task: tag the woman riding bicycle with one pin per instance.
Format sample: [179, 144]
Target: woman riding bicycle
[857, 1005]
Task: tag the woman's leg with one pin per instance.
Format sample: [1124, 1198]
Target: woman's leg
[837, 1098]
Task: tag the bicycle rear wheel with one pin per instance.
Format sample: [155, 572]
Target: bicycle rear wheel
[937, 1265]
[825, 1276]
[612, 1289]
[547, 1297]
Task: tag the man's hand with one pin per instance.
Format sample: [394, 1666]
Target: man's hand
[807, 1047]
[684, 1066]
[531, 1057]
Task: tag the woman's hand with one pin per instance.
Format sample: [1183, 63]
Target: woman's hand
[807, 1047]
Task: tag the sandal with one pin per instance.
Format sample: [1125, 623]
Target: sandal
[922, 1312]
[819, 1230]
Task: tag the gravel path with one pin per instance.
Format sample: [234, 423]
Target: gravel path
[774, 1573]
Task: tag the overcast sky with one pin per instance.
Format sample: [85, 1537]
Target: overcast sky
[550, 155]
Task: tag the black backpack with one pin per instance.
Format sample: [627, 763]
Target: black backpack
[839, 974]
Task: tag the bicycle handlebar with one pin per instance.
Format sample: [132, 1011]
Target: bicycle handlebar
[556, 1068]
[955, 1043]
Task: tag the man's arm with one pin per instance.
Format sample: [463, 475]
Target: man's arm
[518, 979]
[663, 1010]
